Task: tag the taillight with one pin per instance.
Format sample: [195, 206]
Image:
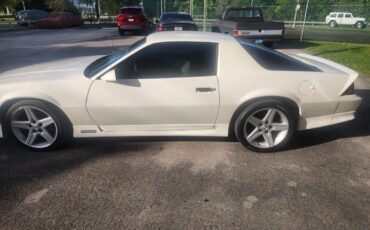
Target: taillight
[160, 28]
[350, 90]
[235, 33]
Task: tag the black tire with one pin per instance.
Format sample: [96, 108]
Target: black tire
[121, 32]
[215, 29]
[268, 44]
[64, 127]
[251, 109]
[359, 25]
[333, 24]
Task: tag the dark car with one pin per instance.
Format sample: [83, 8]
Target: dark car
[170, 21]
[57, 20]
[248, 23]
[132, 18]
[29, 16]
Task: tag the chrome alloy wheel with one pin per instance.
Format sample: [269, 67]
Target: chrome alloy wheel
[266, 128]
[33, 127]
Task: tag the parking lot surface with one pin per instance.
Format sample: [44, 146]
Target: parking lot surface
[321, 182]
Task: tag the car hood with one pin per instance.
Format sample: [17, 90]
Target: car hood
[54, 69]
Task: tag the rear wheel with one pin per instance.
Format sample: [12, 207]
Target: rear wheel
[215, 29]
[36, 125]
[332, 24]
[265, 126]
[359, 25]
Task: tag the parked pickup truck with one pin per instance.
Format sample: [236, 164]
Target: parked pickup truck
[248, 23]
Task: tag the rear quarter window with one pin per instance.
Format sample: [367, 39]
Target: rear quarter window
[273, 60]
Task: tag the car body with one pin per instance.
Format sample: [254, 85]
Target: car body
[178, 84]
[345, 19]
[248, 23]
[29, 16]
[59, 20]
[132, 18]
[176, 21]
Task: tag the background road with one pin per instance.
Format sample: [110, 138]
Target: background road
[321, 182]
[317, 33]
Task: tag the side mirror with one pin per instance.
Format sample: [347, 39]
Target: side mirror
[110, 76]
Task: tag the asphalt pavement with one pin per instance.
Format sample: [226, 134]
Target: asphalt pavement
[321, 182]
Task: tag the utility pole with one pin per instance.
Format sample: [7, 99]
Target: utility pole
[297, 7]
[204, 15]
[251, 3]
[304, 21]
[24, 6]
[161, 7]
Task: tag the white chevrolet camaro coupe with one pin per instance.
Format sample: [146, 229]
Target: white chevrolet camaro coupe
[177, 84]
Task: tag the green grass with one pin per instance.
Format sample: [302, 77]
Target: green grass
[354, 56]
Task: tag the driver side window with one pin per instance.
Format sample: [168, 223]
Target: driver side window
[170, 60]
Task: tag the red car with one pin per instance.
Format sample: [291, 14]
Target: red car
[132, 18]
[59, 20]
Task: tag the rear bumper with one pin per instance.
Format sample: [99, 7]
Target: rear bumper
[132, 27]
[345, 111]
[263, 38]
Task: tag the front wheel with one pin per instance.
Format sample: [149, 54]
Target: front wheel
[265, 126]
[36, 125]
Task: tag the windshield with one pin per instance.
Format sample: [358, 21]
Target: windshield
[106, 61]
[176, 17]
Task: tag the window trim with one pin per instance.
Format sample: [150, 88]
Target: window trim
[217, 45]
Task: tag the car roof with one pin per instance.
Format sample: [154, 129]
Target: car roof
[184, 36]
[174, 12]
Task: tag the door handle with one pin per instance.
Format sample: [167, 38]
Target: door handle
[204, 90]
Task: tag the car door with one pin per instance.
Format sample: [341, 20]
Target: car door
[347, 20]
[340, 19]
[164, 86]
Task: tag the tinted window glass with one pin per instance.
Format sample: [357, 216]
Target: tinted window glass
[348, 15]
[243, 13]
[333, 15]
[166, 60]
[131, 11]
[105, 61]
[273, 60]
[176, 17]
[340, 15]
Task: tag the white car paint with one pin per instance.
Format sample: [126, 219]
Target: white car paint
[344, 18]
[102, 106]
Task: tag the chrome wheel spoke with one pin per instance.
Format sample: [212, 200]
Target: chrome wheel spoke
[279, 127]
[46, 121]
[268, 139]
[254, 121]
[46, 135]
[254, 135]
[30, 114]
[270, 115]
[31, 138]
[21, 124]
